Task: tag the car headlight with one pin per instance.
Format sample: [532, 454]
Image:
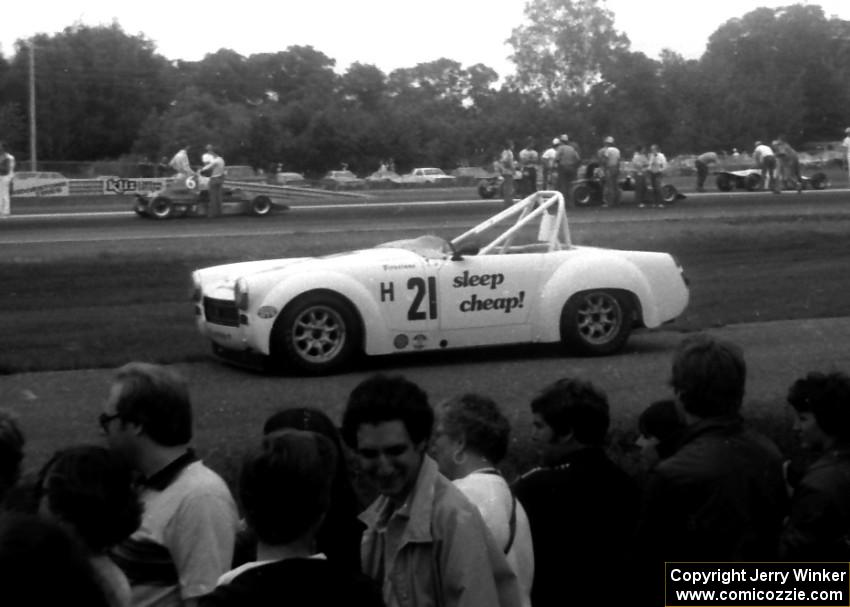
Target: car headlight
[240, 293]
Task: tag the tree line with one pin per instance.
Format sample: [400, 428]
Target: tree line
[103, 94]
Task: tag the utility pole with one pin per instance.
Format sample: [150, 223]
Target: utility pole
[33, 158]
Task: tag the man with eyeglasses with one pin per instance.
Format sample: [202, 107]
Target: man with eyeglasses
[425, 542]
[186, 538]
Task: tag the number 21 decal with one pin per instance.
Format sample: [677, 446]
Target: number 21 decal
[418, 284]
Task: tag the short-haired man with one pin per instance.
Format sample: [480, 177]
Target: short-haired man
[188, 530]
[721, 496]
[818, 528]
[286, 491]
[425, 543]
[215, 168]
[765, 160]
[609, 160]
[580, 505]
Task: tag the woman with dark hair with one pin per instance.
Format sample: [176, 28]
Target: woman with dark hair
[818, 528]
[340, 532]
[659, 426]
[90, 489]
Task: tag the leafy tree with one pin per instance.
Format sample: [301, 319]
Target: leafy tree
[564, 47]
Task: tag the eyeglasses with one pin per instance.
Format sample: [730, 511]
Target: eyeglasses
[104, 419]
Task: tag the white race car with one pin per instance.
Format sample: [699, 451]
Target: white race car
[515, 278]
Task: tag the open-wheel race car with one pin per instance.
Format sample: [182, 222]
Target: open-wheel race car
[588, 190]
[751, 180]
[189, 196]
[515, 278]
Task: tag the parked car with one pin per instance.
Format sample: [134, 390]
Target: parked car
[190, 197]
[342, 180]
[289, 178]
[514, 278]
[751, 180]
[428, 176]
[385, 178]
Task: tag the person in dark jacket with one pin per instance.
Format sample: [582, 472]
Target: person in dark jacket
[581, 506]
[286, 491]
[819, 525]
[721, 496]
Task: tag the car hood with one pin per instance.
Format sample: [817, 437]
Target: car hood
[274, 269]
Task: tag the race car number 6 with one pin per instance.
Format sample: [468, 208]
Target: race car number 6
[415, 312]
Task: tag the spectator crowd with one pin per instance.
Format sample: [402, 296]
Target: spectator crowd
[138, 519]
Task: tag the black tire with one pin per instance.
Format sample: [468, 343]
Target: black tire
[141, 208]
[669, 193]
[160, 208]
[317, 334]
[486, 189]
[261, 206]
[724, 183]
[819, 181]
[753, 182]
[596, 322]
[582, 195]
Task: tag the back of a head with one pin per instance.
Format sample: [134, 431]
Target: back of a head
[479, 422]
[157, 398]
[285, 488]
[660, 420]
[11, 450]
[827, 397]
[709, 376]
[382, 398]
[91, 488]
[574, 406]
[44, 564]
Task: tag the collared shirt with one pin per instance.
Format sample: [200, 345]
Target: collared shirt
[435, 550]
[186, 537]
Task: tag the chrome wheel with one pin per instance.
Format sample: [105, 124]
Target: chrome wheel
[318, 334]
[596, 322]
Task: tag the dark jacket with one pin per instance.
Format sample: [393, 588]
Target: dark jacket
[581, 508]
[819, 526]
[720, 497]
[298, 582]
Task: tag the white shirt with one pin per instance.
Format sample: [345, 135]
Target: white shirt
[657, 162]
[548, 157]
[761, 152]
[180, 162]
[492, 496]
[846, 144]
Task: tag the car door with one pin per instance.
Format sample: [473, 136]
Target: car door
[407, 294]
[488, 290]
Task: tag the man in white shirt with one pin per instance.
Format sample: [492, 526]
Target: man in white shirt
[548, 160]
[7, 173]
[657, 164]
[765, 159]
[216, 172]
[846, 145]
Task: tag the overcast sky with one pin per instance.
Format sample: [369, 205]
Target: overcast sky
[386, 33]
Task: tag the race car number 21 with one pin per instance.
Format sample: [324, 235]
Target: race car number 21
[422, 290]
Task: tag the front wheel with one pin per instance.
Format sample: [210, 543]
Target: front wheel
[161, 207]
[317, 333]
[819, 181]
[487, 189]
[261, 205]
[754, 182]
[724, 183]
[596, 323]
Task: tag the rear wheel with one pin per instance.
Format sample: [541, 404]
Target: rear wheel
[161, 207]
[317, 333]
[261, 205]
[669, 194]
[582, 195]
[597, 322]
[819, 181]
[724, 183]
